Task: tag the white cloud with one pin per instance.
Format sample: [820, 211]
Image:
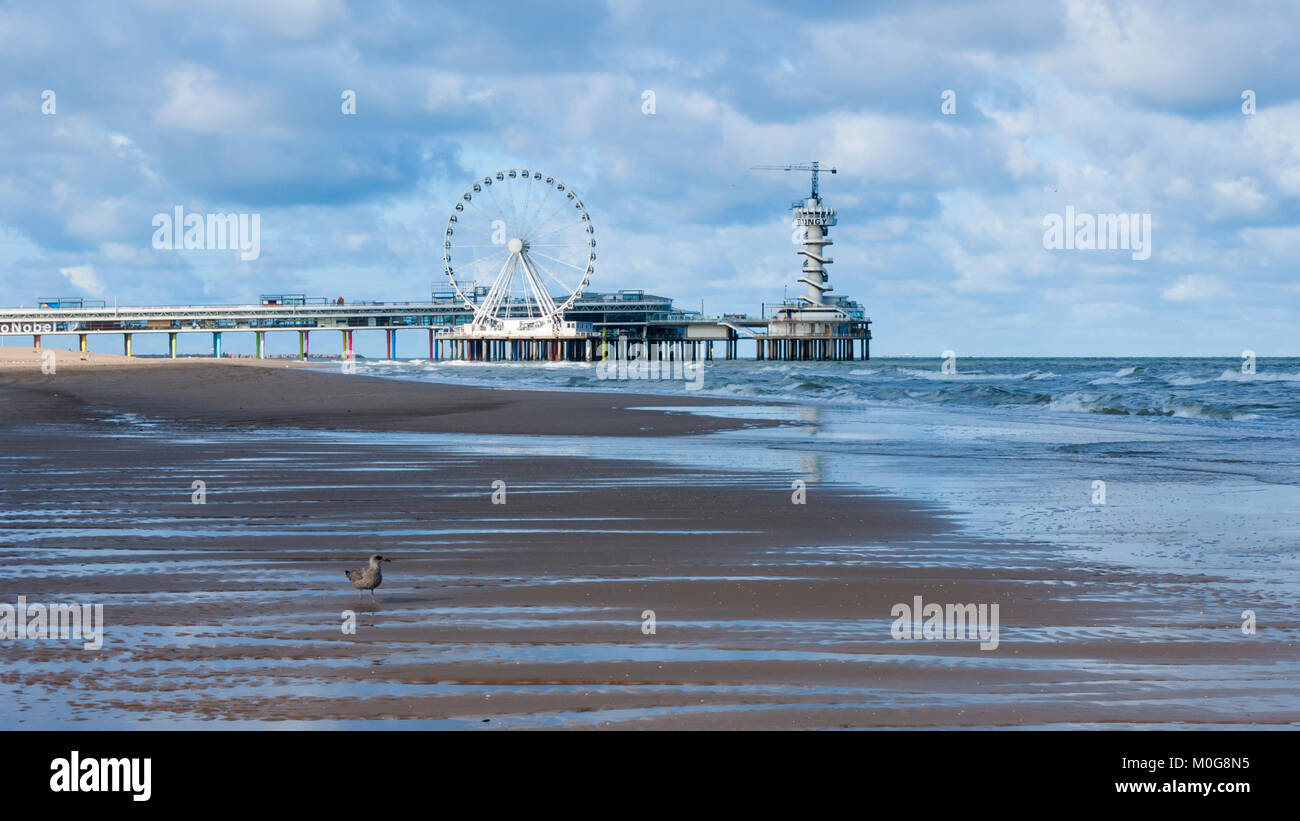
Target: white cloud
[448, 90]
[292, 18]
[1102, 313]
[83, 278]
[94, 219]
[1193, 288]
[1239, 197]
[1166, 51]
[193, 100]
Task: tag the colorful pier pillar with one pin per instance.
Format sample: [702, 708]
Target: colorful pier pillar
[392, 342]
[261, 344]
[171, 344]
[302, 344]
[81, 342]
[126, 344]
[36, 340]
[216, 344]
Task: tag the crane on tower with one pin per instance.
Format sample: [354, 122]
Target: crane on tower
[814, 167]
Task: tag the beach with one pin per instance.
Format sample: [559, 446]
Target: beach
[561, 559]
[273, 393]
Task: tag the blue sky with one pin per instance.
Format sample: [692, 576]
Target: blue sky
[1104, 106]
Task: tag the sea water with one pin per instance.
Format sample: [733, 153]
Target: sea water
[1188, 465]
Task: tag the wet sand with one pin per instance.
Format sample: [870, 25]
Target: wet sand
[281, 393]
[530, 613]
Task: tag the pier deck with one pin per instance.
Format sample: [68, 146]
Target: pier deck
[633, 316]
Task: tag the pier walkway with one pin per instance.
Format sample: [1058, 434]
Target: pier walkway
[629, 317]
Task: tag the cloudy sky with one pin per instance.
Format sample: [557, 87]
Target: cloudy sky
[1105, 107]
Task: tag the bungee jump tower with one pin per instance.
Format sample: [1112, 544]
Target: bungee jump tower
[814, 327]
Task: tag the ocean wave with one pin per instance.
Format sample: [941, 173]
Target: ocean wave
[1181, 388]
[1079, 402]
[1238, 376]
[966, 377]
[1187, 381]
[1119, 377]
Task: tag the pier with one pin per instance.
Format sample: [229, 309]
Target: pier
[433, 329]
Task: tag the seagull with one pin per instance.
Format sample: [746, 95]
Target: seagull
[367, 578]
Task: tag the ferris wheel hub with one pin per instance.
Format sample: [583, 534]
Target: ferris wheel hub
[515, 245]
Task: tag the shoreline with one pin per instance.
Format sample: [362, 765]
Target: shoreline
[268, 393]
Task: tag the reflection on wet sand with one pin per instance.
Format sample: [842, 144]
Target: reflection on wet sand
[529, 614]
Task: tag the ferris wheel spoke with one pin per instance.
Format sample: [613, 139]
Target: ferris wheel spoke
[564, 285]
[562, 262]
[546, 304]
[511, 214]
[479, 208]
[527, 209]
[499, 289]
[504, 294]
[484, 270]
[514, 222]
[492, 194]
[488, 308]
[545, 220]
[501, 213]
[486, 257]
[561, 228]
[468, 227]
[531, 219]
[485, 214]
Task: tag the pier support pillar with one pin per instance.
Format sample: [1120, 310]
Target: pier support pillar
[81, 342]
[171, 344]
[302, 345]
[36, 341]
[216, 344]
[126, 344]
[391, 342]
[260, 344]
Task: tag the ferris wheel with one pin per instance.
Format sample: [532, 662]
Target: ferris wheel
[529, 236]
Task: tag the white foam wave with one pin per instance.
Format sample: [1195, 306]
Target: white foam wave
[1186, 381]
[1238, 376]
[967, 377]
[1074, 403]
